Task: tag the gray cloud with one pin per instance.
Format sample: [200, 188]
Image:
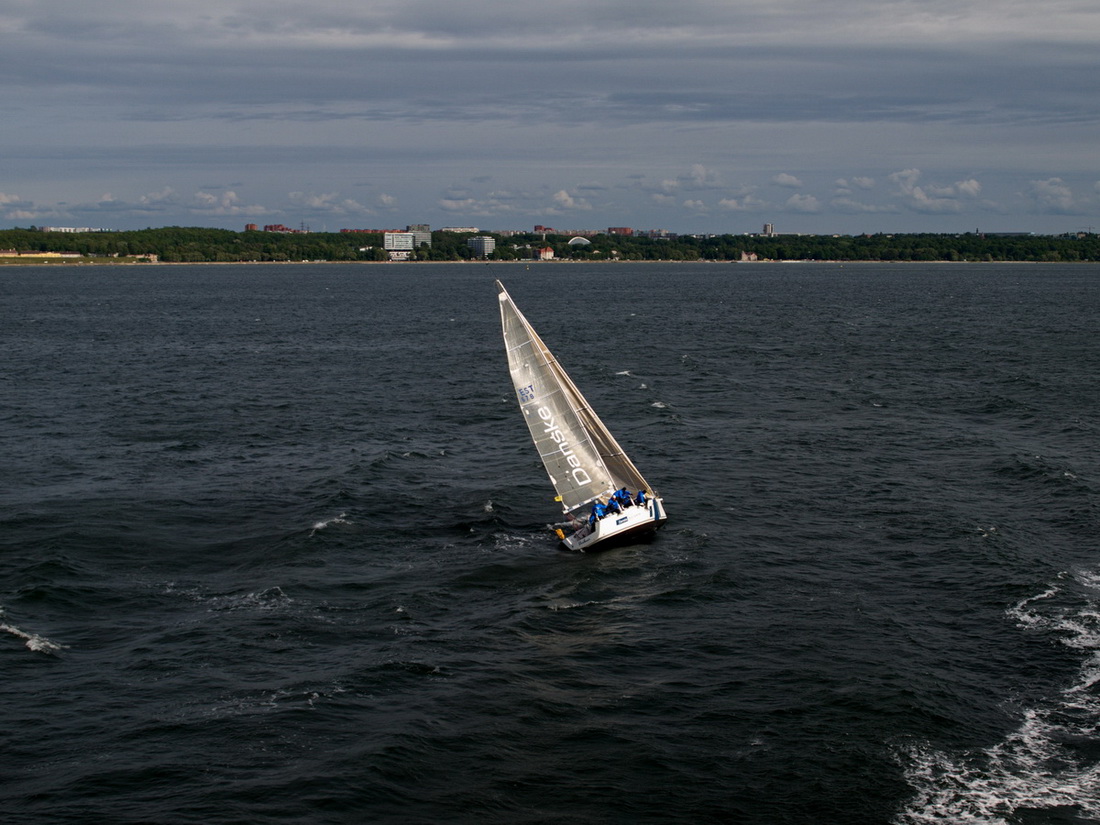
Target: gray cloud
[662, 115]
[1053, 195]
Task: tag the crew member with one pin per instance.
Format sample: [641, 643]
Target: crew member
[598, 512]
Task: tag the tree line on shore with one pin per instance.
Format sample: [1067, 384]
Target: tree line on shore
[202, 245]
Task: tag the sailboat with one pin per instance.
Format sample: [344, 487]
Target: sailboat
[585, 463]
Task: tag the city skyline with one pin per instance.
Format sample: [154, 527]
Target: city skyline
[844, 117]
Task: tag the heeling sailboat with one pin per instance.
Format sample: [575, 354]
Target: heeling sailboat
[585, 463]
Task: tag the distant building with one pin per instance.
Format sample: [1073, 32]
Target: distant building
[422, 234]
[397, 241]
[72, 229]
[460, 229]
[545, 254]
[620, 230]
[769, 229]
[399, 245]
[251, 227]
[482, 245]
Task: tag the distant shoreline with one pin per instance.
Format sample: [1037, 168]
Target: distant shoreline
[177, 245]
[55, 263]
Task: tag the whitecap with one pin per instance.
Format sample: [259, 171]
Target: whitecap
[39, 644]
[325, 524]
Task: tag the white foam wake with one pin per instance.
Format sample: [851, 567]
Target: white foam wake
[1039, 766]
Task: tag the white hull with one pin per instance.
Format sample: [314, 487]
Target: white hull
[617, 527]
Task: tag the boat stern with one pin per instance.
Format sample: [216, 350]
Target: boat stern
[617, 528]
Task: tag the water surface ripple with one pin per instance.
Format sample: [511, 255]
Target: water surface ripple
[272, 547]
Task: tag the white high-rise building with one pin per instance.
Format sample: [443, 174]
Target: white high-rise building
[482, 245]
[398, 241]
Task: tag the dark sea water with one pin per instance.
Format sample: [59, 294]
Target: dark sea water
[273, 547]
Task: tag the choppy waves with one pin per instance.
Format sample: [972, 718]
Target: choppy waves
[298, 571]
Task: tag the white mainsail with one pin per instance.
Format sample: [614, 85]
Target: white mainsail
[582, 458]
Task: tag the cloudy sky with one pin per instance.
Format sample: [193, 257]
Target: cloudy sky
[693, 116]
